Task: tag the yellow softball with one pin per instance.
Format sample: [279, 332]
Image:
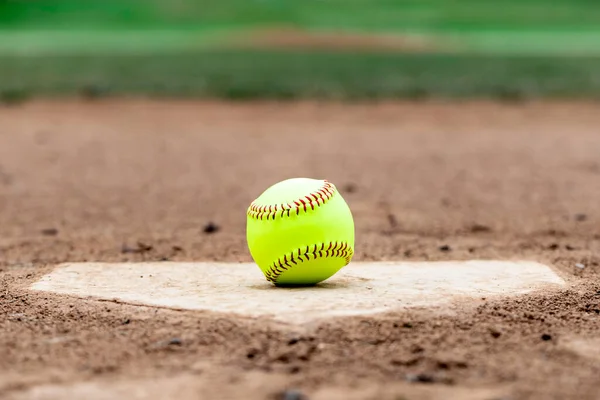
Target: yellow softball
[300, 232]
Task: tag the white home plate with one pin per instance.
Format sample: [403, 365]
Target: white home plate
[359, 288]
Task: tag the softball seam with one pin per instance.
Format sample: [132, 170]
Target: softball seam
[331, 249]
[311, 200]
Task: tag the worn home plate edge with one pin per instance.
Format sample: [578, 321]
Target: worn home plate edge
[360, 288]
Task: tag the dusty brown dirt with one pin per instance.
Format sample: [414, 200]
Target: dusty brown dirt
[140, 180]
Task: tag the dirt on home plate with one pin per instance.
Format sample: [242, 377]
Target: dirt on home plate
[137, 180]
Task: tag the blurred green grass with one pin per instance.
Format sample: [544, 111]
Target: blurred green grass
[380, 15]
[321, 75]
[502, 26]
[507, 48]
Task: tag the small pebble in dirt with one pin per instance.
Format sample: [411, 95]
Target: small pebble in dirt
[422, 378]
[392, 220]
[291, 394]
[175, 342]
[478, 228]
[350, 188]
[579, 266]
[416, 349]
[127, 321]
[295, 369]
[580, 217]
[570, 248]
[553, 246]
[211, 227]
[445, 248]
[251, 354]
[50, 232]
[139, 249]
[546, 337]
[495, 333]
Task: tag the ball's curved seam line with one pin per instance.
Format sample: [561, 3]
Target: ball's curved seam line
[331, 249]
[312, 200]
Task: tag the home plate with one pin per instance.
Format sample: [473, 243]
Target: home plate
[240, 288]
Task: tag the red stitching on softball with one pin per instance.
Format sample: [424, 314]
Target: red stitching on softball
[335, 249]
[312, 200]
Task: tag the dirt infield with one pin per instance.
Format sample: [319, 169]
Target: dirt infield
[156, 181]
